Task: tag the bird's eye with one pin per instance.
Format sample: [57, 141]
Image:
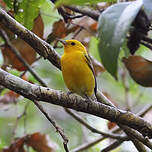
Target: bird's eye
[72, 43]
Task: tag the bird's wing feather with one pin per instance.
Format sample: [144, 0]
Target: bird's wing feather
[88, 60]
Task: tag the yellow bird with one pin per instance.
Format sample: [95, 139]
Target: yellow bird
[77, 69]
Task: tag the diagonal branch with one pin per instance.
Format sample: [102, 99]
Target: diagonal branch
[112, 146]
[58, 129]
[39, 45]
[34, 92]
[93, 14]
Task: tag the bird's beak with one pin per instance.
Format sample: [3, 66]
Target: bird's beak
[62, 41]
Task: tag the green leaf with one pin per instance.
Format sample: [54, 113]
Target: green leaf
[114, 24]
[28, 10]
[79, 2]
[9, 3]
[48, 14]
[148, 8]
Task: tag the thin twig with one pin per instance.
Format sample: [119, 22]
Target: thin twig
[111, 135]
[147, 39]
[117, 143]
[23, 114]
[38, 58]
[16, 52]
[75, 17]
[92, 143]
[58, 129]
[145, 110]
[146, 44]
[112, 146]
[25, 118]
[77, 32]
[88, 145]
[93, 14]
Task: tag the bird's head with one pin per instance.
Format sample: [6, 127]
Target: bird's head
[72, 45]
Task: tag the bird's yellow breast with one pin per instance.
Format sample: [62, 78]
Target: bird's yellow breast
[77, 74]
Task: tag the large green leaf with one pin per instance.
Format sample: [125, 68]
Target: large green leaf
[80, 2]
[48, 14]
[148, 8]
[114, 24]
[27, 11]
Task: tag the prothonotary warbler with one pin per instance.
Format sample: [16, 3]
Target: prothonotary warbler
[77, 69]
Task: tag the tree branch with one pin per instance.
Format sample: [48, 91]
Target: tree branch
[117, 143]
[93, 14]
[34, 92]
[133, 135]
[40, 46]
[139, 146]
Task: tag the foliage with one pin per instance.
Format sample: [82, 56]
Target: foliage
[27, 11]
[114, 23]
